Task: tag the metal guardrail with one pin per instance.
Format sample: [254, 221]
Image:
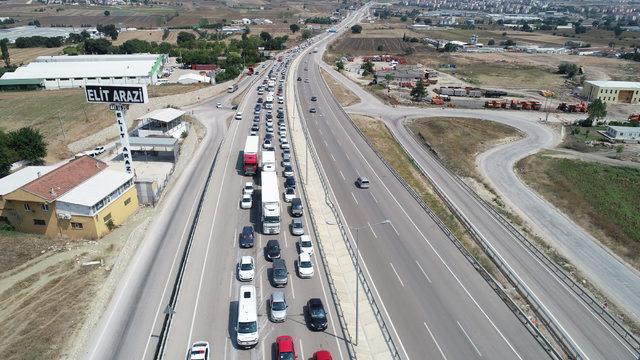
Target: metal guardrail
[583, 294]
[332, 287]
[352, 252]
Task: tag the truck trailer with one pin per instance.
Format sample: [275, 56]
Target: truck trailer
[270, 202]
[268, 160]
[250, 155]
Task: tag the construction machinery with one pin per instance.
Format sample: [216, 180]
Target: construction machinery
[572, 108]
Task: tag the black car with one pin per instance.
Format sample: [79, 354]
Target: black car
[296, 207]
[234, 107]
[255, 127]
[247, 237]
[260, 100]
[272, 250]
[280, 115]
[312, 110]
[316, 315]
[313, 98]
[268, 136]
[290, 181]
[299, 78]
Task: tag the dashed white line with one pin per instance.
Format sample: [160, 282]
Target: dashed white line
[325, 143]
[354, 198]
[394, 229]
[434, 341]
[341, 174]
[398, 276]
[333, 157]
[423, 272]
[374, 198]
[225, 348]
[373, 232]
[284, 234]
[468, 338]
[293, 292]
[233, 274]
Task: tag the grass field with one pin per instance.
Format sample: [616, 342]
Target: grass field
[62, 116]
[458, 141]
[345, 96]
[172, 89]
[602, 199]
[24, 56]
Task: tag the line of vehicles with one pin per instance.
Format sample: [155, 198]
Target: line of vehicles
[259, 160]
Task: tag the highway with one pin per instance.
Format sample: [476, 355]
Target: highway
[592, 338]
[437, 304]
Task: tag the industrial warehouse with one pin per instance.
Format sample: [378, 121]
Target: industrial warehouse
[63, 72]
[612, 91]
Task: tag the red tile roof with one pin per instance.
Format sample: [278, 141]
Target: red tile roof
[57, 182]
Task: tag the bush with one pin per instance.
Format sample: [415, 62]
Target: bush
[568, 69]
[356, 29]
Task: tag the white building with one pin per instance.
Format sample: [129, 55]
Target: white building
[192, 78]
[622, 134]
[162, 123]
[60, 72]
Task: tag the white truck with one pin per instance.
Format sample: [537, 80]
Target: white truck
[268, 160]
[232, 88]
[270, 200]
[268, 103]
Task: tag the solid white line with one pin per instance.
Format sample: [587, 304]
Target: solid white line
[354, 198]
[284, 234]
[423, 272]
[434, 341]
[341, 174]
[373, 232]
[233, 275]
[293, 292]
[225, 348]
[234, 238]
[301, 350]
[468, 338]
[166, 285]
[374, 198]
[398, 276]
[259, 240]
[333, 157]
[206, 254]
[394, 228]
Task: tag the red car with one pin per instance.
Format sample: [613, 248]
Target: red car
[286, 351]
[322, 355]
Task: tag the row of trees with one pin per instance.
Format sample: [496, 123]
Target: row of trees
[22, 144]
[319, 20]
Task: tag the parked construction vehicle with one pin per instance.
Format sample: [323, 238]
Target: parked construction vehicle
[635, 118]
[581, 107]
[547, 93]
[437, 100]
[513, 104]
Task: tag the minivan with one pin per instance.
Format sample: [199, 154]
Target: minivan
[296, 207]
[279, 273]
[247, 324]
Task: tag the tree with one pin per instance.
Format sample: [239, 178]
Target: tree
[107, 13]
[368, 68]
[306, 34]
[28, 145]
[339, 65]
[265, 36]
[108, 30]
[403, 18]
[5, 52]
[294, 28]
[185, 39]
[568, 69]
[597, 109]
[388, 78]
[97, 46]
[450, 47]
[356, 29]
[7, 155]
[419, 91]
[380, 47]
[491, 42]
[617, 31]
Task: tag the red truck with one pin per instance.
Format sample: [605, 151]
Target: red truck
[250, 71]
[250, 155]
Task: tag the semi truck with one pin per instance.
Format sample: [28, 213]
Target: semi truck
[270, 202]
[268, 160]
[250, 155]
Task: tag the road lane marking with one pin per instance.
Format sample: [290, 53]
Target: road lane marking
[293, 292]
[394, 228]
[435, 341]
[468, 338]
[423, 272]
[284, 235]
[233, 275]
[225, 348]
[374, 198]
[373, 232]
[301, 349]
[206, 254]
[259, 240]
[398, 276]
[333, 157]
[354, 198]
[341, 174]
[325, 143]
[347, 155]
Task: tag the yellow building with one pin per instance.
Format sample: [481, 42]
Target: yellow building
[80, 199]
[612, 91]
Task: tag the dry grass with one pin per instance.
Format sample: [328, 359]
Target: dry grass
[24, 56]
[18, 248]
[600, 198]
[458, 141]
[62, 116]
[173, 89]
[345, 96]
[147, 35]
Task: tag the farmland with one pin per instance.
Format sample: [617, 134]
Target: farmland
[601, 198]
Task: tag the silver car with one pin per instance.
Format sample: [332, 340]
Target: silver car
[278, 307]
[297, 226]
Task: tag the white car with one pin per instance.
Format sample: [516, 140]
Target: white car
[269, 129]
[305, 266]
[289, 194]
[238, 115]
[248, 188]
[305, 245]
[246, 201]
[219, 105]
[246, 268]
[285, 145]
[283, 127]
[200, 350]
[282, 134]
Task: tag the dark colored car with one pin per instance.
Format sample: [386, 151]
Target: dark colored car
[312, 110]
[280, 115]
[299, 78]
[296, 207]
[316, 315]
[313, 98]
[290, 182]
[247, 237]
[272, 250]
[255, 127]
[280, 274]
[260, 100]
[268, 136]
[234, 107]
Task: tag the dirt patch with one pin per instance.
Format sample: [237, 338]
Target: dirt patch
[458, 141]
[601, 198]
[18, 248]
[345, 96]
[173, 89]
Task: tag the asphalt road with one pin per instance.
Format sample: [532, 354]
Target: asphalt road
[437, 304]
[592, 338]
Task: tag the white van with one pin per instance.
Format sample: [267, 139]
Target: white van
[239, 115]
[247, 325]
